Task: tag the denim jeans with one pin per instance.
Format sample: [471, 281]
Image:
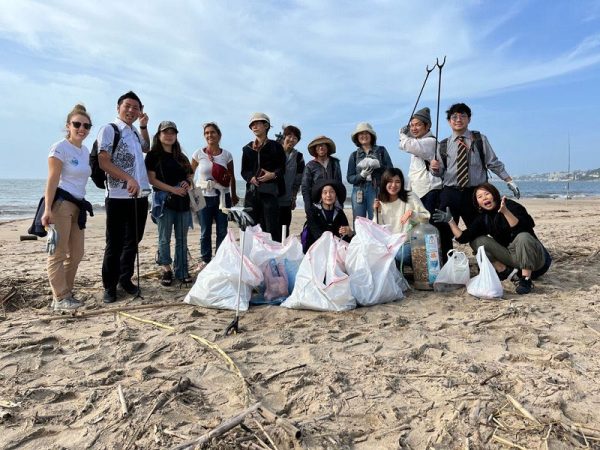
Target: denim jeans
[403, 256]
[206, 216]
[364, 209]
[179, 221]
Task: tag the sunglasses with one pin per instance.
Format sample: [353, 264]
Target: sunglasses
[87, 126]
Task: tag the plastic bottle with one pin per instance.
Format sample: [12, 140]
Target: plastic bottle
[425, 253]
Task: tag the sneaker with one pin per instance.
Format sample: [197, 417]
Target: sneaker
[66, 304]
[505, 273]
[167, 278]
[129, 287]
[110, 295]
[524, 286]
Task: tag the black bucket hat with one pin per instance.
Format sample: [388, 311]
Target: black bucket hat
[340, 190]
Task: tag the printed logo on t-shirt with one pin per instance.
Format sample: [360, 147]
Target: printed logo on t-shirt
[74, 162]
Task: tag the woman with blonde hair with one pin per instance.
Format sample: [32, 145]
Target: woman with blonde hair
[65, 206]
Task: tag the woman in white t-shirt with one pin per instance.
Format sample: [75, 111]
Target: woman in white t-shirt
[398, 208]
[213, 171]
[68, 172]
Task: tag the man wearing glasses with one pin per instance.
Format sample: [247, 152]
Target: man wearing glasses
[127, 188]
[462, 161]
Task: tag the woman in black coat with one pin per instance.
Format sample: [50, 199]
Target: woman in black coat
[326, 213]
[505, 229]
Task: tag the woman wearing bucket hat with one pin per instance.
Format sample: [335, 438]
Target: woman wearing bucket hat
[324, 166]
[294, 168]
[365, 166]
[263, 168]
[326, 213]
[170, 174]
[214, 172]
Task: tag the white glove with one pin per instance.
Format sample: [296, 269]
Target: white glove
[514, 188]
[52, 239]
[366, 173]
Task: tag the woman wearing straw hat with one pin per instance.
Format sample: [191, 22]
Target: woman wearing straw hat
[322, 167]
[365, 166]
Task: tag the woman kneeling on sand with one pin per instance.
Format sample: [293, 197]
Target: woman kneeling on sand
[326, 213]
[505, 229]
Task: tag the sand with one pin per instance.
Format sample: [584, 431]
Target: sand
[430, 371]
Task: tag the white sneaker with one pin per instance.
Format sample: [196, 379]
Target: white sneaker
[66, 304]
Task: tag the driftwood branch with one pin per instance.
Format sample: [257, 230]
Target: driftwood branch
[124, 409]
[280, 372]
[285, 424]
[220, 430]
[86, 314]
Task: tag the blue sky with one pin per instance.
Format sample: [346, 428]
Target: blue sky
[530, 71]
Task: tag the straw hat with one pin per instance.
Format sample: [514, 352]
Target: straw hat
[364, 126]
[312, 146]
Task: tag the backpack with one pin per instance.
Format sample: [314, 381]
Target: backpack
[99, 175]
[477, 142]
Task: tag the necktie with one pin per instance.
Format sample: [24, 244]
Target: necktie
[462, 165]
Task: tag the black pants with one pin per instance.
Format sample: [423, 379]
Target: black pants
[265, 211]
[121, 243]
[461, 205]
[431, 202]
[285, 217]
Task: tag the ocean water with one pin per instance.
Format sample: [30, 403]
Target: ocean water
[19, 198]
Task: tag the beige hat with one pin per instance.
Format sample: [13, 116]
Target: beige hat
[364, 126]
[312, 146]
[259, 117]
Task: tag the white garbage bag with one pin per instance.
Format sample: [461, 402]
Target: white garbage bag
[217, 285]
[455, 274]
[371, 264]
[321, 284]
[486, 284]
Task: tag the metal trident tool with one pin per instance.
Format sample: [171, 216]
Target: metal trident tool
[428, 70]
[239, 215]
[437, 119]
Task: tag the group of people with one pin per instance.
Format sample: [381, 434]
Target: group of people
[447, 181]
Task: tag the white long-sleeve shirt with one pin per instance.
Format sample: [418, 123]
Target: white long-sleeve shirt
[391, 213]
[420, 180]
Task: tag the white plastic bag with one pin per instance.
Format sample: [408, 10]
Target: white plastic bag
[321, 284]
[371, 264]
[217, 285]
[486, 284]
[455, 274]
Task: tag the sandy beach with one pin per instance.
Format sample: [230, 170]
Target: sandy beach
[443, 371]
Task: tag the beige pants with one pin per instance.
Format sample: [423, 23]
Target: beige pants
[62, 266]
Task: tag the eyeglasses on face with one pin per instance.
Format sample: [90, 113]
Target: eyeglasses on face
[77, 125]
[457, 116]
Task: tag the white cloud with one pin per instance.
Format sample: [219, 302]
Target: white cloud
[322, 64]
